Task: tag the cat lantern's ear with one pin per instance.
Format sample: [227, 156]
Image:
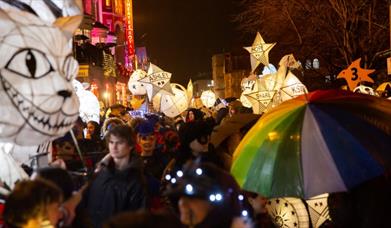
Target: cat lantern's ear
[68, 25]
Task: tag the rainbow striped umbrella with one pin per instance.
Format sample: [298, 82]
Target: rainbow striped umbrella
[322, 142]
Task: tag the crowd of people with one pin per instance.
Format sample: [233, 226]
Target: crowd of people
[152, 171]
[133, 172]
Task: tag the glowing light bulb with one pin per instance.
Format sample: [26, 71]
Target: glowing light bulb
[168, 177]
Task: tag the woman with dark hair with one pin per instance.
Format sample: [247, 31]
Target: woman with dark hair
[194, 114]
[93, 130]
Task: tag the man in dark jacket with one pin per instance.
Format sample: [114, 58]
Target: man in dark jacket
[119, 186]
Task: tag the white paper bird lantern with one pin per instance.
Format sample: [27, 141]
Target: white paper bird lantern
[172, 105]
[208, 98]
[136, 87]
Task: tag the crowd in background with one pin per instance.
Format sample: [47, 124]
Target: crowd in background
[134, 171]
[149, 171]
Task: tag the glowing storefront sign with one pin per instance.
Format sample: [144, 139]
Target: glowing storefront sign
[129, 28]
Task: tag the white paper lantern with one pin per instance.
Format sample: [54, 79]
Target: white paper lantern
[10, 171]
[37, 98]
[208, 98]
[292, 87]
[136, 87]
[172, 105]
[364, 90]
[89, 107]
[247, 86]
[288, 212]
[318, 209]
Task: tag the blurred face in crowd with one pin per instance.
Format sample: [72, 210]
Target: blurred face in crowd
[119, 147]
[90, 128]
[65, 150]
[200, 144]
[191, 116]
[192, 210]
[147, 143]
[258, 204]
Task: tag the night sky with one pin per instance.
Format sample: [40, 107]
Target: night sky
[181, 36]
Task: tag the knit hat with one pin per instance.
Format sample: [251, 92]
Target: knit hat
[145, 128]
[193, 130]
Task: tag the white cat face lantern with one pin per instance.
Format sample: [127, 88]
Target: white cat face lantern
[36, 71]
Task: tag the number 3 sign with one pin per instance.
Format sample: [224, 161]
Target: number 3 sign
[354, 74]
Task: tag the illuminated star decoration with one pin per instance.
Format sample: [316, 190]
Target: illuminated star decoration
[259, 52]
[354, 74]
[159, 79]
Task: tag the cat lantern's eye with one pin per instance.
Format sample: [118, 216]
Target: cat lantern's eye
[29, 63]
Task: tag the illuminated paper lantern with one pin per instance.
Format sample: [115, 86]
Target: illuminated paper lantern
[354, 74]
[318, 209]
[292, 87]
[158, 80]
[248, 86]
[136, 87]
[172, 105]
[10, 171]
[288, 212]
[37, 98]
[46, 9]
[78, 87]
[208, 98]
[382, 87]
[89, 107]
[190, 90]
[364, 90]
[89, 103]
[270, 87]
[259, 52]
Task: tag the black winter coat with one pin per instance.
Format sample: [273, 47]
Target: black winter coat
[114, 191]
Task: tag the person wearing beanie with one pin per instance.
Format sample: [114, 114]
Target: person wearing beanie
[153, 160]
[195, 143]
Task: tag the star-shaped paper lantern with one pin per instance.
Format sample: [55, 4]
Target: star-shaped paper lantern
[159, 79]
[259, 52]
[354, 74]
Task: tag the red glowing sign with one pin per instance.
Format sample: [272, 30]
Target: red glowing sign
[129, 27]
